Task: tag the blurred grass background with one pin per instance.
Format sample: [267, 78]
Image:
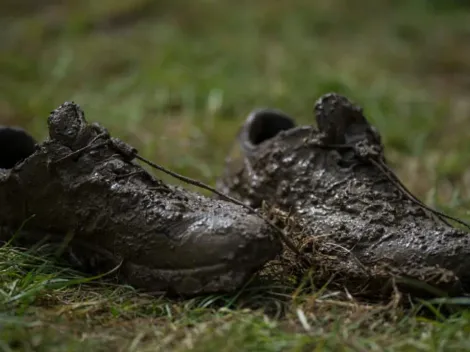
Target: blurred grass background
[177, 78]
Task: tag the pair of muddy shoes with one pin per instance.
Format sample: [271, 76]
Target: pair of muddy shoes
[351, 216]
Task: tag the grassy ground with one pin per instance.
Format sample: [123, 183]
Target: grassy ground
[176, 79]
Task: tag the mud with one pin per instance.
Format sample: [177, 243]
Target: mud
[351, 220]
[83, 183]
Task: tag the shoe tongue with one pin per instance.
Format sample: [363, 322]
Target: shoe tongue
[262, 125]
[15, 146]
[67, 124]
[340, 120]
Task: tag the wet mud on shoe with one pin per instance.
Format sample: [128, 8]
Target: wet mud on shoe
[84, 183]
[355, 221]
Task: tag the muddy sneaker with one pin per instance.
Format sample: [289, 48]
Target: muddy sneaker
[362, 223]
[82, 182]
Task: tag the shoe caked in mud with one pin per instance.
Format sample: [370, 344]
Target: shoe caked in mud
[362, 224]
[83, 182]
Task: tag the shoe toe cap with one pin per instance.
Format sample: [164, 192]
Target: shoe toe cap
[204, 252]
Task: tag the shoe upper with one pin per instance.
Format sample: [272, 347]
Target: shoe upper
[321, 176]
[80, 182]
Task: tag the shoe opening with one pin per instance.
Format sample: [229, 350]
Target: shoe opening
[15, 146]
[264, 124]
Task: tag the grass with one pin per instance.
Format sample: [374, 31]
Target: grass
[176, 79]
